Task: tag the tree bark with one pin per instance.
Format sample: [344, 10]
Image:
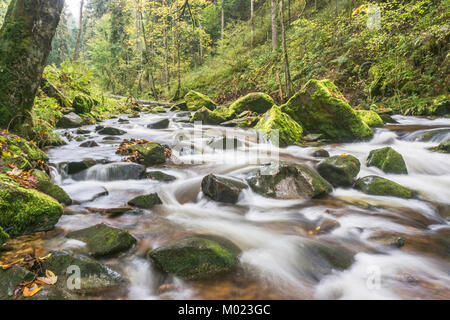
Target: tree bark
[25, 43]
[274, 25]
[80, 30]
[287, 73]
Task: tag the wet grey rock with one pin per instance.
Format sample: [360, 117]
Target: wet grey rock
[89, 144]
[222, 189]
[71, 120]
[112, 172]
[321, 153]
[123, 121]
[147, 201]
[82, 131]
[110, 131]
[159, 176]
[160, 124]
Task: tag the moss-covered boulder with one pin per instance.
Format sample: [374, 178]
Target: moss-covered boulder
[152, 153]
[78, 166]
[71, 120]
[159, 124]
[95, 277]
[19, 152]
[443, 147]
[257, 102]
[196, 100]
[371, 118]
[206, 116]
[110, 131]
[103, 240]
[388, 160]
[159, 176]
[319, 107]
[222, 189]
[179, 106]
[25, 211]
[340, 171]
[82, 104]
[320, 153]
[289, 182]
[196, 257]
[45, 185]
[276, 123]
[379, 186]
[146, 201]
[53, 92]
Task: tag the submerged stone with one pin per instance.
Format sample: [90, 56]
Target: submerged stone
[290, 182]
[379, 186]
[319, 107]
[388, 160]
[340, 171]
[103, 240]
[196, 257]
[196, 100]
[222, 189]
[146, 201]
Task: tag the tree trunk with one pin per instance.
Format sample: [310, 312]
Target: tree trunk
[287, 73]
[25, 43]
[222, 19]
[166, 51]
[80, 30]
[274, 25]
[252, 22]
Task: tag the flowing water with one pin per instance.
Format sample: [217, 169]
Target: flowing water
[284, 253]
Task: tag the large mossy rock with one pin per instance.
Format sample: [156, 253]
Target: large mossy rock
[196, 100]
[82, 104]
[146, 201]
[319, 107]
[340, 171]
[257, 102]
[280, 126]
[24, 211]
[95, 277]
[45, 185]
[196, 257]
[103, 240]
[290, 182]
[388, 160]
[222, 189]
[443, 147]
[19, 152]
[206, 116]
[379, 186]
[71, 120]
[371, 118]
[152, 153]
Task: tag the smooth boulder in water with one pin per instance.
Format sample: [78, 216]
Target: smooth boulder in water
[379, 186]
[152, 153]
[196, 100]
[319, 107]
[340, 171]
[196, 257]
[110, 131]
[388, 160]
[159, 124]
[321, 153]
[146, 201]
[159, 176]
[103, 240]
[71, 120]
[112, 172]
[222, 189]
[78, 166]
[89, 144]
[290, 181]
[45, 185]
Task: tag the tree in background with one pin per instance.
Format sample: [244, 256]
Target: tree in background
[80, 30]
[25, 42]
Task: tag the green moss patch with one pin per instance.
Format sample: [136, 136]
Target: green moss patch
[371, 118]
[257, 102]
[388, 160]
[379, 186]
[196, 100]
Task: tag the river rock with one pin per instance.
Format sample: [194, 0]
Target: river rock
[222, 189]
[89, 144]
[110, 131]
[388, 160]
[152, 153]
[112, 172]
[159, 176]
[435, 135]
[196, 100]
[179, 106]
[95, 277]
[340, 171]
[104, 240]
[280, 127]
[159, 124]
[371, 118]
[24, 211]
[71, 120]
[123, 121]
[379, 186]
[257, 102]
[82, 131]
[290, 181]
[319, 107]
[146, 201]
[443, 147]
[217, 116]
[78, 166]
[320, 153]
[196, 257]
[45, 185]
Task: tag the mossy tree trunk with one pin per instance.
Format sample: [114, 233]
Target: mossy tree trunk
[25, 43]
